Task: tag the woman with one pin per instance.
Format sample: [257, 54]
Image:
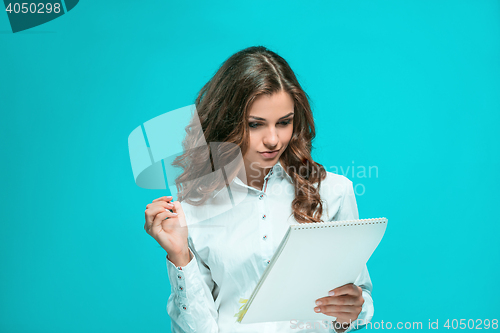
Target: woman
[237, 215]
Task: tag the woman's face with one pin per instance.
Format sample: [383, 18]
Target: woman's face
[270, 126]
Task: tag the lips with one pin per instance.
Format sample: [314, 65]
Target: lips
[269, 151]
[270, 155]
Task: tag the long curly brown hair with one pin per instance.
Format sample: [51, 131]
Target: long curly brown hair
[222, 106]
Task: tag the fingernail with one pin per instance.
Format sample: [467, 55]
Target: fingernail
[174, 213]
[316, 309]
[318, 303]
[330, 293]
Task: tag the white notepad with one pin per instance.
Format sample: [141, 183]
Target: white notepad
[312, 259]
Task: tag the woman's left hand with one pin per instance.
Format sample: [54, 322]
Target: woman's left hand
[345, 304]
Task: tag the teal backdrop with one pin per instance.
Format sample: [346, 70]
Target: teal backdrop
[408, 88]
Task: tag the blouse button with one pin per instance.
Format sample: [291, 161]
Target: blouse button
[264, 216]
[179, 277]
[180, 288]
[265, 237]
[184, 307]
[261, 196]
[268, 261]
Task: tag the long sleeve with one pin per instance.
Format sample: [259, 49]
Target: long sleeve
[191, 305]
[349, 211]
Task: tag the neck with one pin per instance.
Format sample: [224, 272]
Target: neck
[255, 175]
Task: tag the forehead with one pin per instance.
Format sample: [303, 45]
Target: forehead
[272, 106]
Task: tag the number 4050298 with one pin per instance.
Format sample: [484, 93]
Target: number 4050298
[32, 7]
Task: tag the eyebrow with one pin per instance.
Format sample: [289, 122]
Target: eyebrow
[258, 118]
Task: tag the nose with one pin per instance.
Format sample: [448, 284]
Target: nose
[271, 138]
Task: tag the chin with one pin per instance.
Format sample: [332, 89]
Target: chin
[260, 162]
[271, 161]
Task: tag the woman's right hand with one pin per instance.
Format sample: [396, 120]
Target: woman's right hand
[171, 233]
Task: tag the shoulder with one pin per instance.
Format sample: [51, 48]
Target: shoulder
[335, 185]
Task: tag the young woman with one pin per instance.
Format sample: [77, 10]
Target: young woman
[237, 215]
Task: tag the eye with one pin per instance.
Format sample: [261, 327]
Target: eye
[254, 125]
[286, 122]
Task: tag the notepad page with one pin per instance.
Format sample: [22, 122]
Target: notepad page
[316, 258]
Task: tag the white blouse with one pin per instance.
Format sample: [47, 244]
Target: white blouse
[231, 246]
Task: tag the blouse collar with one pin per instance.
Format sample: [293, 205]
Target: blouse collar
[276, 169]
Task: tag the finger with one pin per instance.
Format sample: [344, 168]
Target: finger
[335, 310]
[160, 208]
[160, 217]
[346, 289]
[150, 216]
[155, 208]
[164, 198]
[156, 225]
[164, 204]
[338, 300]
[148, 226]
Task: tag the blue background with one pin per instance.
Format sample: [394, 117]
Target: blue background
[411, 87]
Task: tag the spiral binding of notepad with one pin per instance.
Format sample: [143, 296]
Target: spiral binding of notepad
[345, 223]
